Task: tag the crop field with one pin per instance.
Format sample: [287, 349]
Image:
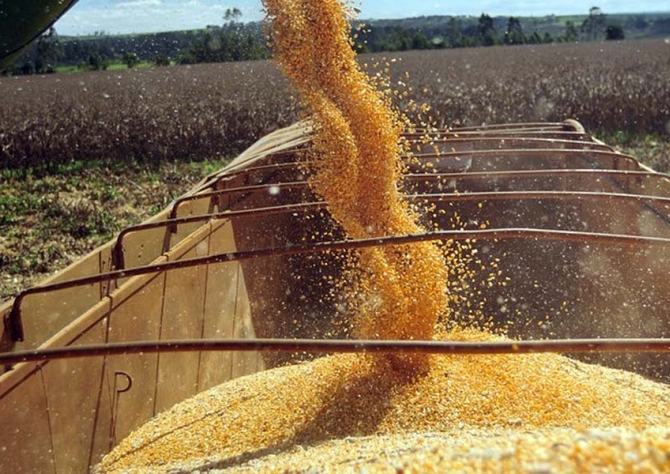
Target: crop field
[609, 87]
[213, 111]
[111, 147]
[149, 115]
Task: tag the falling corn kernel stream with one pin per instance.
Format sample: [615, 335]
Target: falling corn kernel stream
[353, 413]
[357, 168]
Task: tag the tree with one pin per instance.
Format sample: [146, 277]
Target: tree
[233, 41]
[454, 33]
[514, 33]
[486, 30]
[161, 60]
[593, 27]
[420, 41]
[47, 52]
[571, 34]
[637, 22]
[231, 14]
[96, 61]
[614, 33]
[130, 59]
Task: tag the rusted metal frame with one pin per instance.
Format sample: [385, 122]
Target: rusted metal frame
[268, 180]
[528, 151]
[269, 168]
[505, 151]
[216, 203]
[221, 192]
[172, 229]
[227, 171]
[617, 184]
[210, 181]
[117, 249]
[655, 345]
[213, 185]
[174, 221]
[570, 144]
[520, 126]
[14, 327]
[524, 128]
[506, 195]
[581, 145]
[546, 134]
[548, 151]
[607, 173]
[644, 200]
[543, 152]
[410, 177]
[616, 159]
[507, 135]
[427, 176]
[442, 134]
[475, 175]
[228, 175]
[118, 253]
[268, 156]
[556, 134]
[501, 126]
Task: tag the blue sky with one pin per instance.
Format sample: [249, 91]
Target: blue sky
[136, 16]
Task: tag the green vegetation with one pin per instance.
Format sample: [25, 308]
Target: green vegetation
[49, 220]
[434, 32]
[234, 40]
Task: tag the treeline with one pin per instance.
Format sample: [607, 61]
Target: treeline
[461, 32]
[236, 41]
[97, 52]
[232, 41]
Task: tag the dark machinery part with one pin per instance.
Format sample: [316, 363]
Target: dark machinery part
[23, 21]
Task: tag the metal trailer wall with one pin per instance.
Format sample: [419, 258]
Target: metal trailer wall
[63, 416]
[583, 248]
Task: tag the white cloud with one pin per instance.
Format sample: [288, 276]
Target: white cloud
[137, 3]
[396, 9]
[136, 16]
